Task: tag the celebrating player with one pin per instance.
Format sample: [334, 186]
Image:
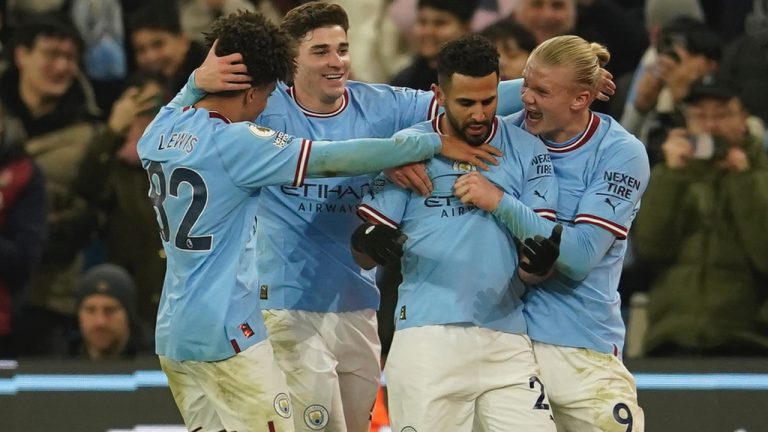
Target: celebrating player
[573, 317]
[206, 164]
[460, 357]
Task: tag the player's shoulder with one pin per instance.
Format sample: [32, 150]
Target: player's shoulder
[418, 129]
[617, 139]
[518, 139]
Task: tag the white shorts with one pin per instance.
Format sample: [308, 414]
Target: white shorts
[244, 393]
[464, 378]
[332, 366]
[589, 391]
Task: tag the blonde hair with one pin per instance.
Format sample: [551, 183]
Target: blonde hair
[583, 57]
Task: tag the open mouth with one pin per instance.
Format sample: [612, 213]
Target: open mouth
[333, 77]
[533, 115]
[477, 129]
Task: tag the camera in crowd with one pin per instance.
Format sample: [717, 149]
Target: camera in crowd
[690, 35]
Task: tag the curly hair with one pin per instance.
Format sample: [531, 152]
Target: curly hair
[268, 52]
[303, 19]
[471, 55]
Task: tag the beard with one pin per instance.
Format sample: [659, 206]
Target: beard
[461, 129]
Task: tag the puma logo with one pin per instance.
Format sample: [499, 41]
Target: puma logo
[538, 194]
[613, 206]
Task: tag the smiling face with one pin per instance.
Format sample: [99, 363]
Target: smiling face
[322, 66]
[159, 51]
[49, 67]
[470, 106]
[434, 28]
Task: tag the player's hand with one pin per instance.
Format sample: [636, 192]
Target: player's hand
[218, 74]
[456, 149]
[412, 176]
[605, 87]
[381, 243]
[475, 189]
[538, 254]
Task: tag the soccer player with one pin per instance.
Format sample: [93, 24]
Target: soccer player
[319, 304]
[460, 357]
[206, 166]
[602, 171]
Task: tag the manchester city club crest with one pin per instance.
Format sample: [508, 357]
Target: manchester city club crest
[316, 417]
[464, 166]
[283, 405]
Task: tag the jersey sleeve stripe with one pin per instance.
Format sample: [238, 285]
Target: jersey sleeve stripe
[301, 166]
[369, 213]
[619, 231]
[547, 214]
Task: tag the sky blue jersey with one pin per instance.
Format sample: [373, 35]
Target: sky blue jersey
[205, 174]
[303, 232]
[601, 176]
[459, 263]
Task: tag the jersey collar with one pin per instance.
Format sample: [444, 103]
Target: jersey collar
[594, 122]
[310, 113]
[211, 114]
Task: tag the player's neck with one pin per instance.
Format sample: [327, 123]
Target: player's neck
[578, 124]
[314, 102]
[228, 107]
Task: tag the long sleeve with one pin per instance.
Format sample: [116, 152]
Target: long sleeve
[367, 155]
[582, 246]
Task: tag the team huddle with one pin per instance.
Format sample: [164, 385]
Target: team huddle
[266, 178]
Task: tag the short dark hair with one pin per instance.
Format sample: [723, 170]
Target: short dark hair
[160, 16]
[464, 10]
[268, 51]
[507, 29]
[47, 25]
[309, 16]
[471, 55]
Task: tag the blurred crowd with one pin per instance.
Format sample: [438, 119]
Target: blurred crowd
[81, 262]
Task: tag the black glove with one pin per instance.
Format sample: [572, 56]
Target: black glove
[382, 243]
[541, 252]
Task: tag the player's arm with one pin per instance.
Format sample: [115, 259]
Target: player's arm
[216, 74]
[582, 246]
[366, 155]
[595, 228]
[379, 240]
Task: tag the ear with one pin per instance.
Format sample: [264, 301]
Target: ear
[20, 54]
[581, 100]
[439, 95]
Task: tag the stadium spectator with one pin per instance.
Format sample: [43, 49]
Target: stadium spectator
[160, 45]
[601, 21]
[106, 315]
[514, 44]
[22, 229]
[130, 233]
[702, 226]
[437, 22]
[44, 94]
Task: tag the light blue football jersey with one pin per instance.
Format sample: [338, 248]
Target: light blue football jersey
[303, 232]
[601, 176]
[205, 174]
[459, 264]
